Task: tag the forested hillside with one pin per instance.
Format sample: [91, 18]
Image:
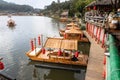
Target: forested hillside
[11, 7]
[73, 6]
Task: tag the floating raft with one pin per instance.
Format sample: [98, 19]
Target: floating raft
[52, 56]
[82, 59]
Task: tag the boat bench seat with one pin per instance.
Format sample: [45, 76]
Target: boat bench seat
[35, 53]
[60, 57]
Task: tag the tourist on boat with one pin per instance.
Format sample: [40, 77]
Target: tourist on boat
[74, 58]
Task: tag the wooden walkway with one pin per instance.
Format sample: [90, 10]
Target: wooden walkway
[95, 61]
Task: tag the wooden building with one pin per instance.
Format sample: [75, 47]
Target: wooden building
[101, 26]
[96, 18]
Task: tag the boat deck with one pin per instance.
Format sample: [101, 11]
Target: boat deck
[49, 57]
[95, 61]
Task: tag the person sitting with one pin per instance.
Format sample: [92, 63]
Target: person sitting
[74, 58]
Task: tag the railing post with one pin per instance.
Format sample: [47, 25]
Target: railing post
[96, 33]
[103, 40]
[99, 35]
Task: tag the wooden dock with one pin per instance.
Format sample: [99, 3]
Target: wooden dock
[95, 61]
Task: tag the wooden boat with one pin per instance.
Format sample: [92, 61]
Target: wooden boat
[59, 50]
[11, 23]
[68, 27]
[74, 33]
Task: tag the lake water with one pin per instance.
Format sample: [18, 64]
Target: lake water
[15, 42]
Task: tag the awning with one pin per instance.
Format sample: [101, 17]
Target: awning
[74, 31]
[53, 43]
[69, 44]
[72, 24]
[61, 43]
[77, 28]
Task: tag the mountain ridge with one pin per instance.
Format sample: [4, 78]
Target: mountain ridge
[12, 7]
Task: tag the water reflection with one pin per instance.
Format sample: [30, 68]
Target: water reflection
[44, 73]
[58, 75]
[52, 74]
[12, 28]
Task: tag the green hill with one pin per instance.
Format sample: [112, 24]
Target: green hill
[11, 7]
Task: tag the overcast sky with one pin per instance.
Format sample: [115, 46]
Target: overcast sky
[34, 3]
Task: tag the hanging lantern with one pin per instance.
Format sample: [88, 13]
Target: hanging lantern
[39, 41]
[1, 66]
[32, 45]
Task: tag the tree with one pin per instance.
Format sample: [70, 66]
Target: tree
[115, 4]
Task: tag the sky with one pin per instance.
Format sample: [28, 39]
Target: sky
[34, 3]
